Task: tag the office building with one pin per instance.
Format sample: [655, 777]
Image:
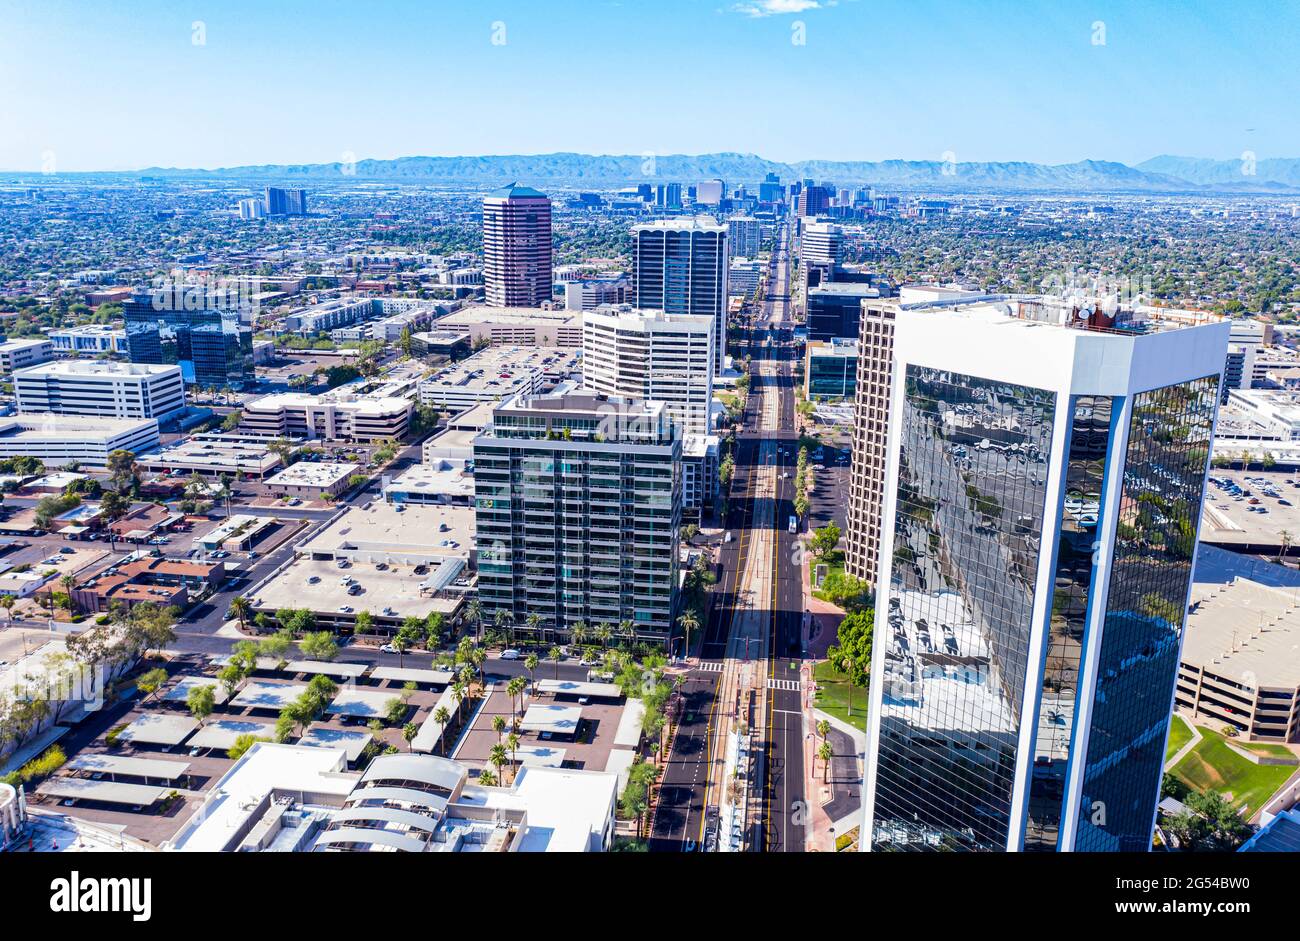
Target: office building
[517, 247]
[213, 346]
[285, 202]
[821, 243]
[680, 267]
[19, 354]
[1246, 342]
[65, 439]
[875, 364]
[252, 209]
[1043, 494]
[744, 276]
[744, 236]
[834, 309]
[813, 199]
[329, 415]
[102, 388]
[647, 354]
[668, 196]
[578, 510]
[89, 339]
[710, 192]
[586, 293]
[830, 369]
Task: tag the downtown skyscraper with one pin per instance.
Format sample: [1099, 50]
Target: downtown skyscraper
[1045, 474]
[517, 259]
[680, 267]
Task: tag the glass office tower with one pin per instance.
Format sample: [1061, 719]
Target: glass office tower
[213, 346]
[1042, 497]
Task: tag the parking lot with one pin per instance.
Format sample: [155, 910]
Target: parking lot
[1251, 508]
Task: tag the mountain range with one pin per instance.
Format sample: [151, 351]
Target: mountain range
[1164, 174]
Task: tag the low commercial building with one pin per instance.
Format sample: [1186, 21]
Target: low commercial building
[517, 326]
[335, 415]
[831, 369]
[440, 481]
[448, 343]
[101, 388]
[90, 339]
[311, 480]
[64, 439]
[496, 374]
[1239, 665]
[302, 798]
[19, 354]
[214, 455]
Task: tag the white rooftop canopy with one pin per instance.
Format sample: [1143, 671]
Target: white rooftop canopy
[549, 717]
[158, 729]
[107, 792]
[223, 733]
[132, 767]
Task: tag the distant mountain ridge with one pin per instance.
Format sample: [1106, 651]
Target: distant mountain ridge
[1160, 174]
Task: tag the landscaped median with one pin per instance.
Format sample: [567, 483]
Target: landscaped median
[834, 694]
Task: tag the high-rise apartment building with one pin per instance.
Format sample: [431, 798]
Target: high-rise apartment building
[213, 345]
[1043, 493]
[517, 247]
[285, 202]
[578, 515]
[105, 389]
[680, 267]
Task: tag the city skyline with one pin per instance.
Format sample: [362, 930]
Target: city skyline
[1122, 83]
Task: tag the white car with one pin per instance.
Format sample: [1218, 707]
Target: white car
[510, 654]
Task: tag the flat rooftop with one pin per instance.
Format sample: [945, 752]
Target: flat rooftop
[312, 474]
[317, 584]
[384, 529]
[352, 741]
[181, 691]
[223, 733]
[95, 369]
[362, 703]
[1244, 628]
[553, 718]
[522, 315]
[258, 694]
[502, 369]
[154, 728]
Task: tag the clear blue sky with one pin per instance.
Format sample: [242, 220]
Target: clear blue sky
[119, 84]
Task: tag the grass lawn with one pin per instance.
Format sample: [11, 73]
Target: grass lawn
[835, 561]
[1268, 749]
[833, 696]
[1211, 765]
[1180, 733]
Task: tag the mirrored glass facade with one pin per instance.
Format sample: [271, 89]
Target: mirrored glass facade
[973, 464]
[1075, 573]
[1146, 606]
[212, 347]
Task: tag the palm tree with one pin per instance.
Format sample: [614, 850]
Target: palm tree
[409, 732]
[474, 612]
[240, 607]
[531, 665]
[486, 778]
[578, 630]
[442, 717]
[497, 757]
[512, 743]
[626, 628]
[534, 621]
[825, 753]
[556, 654]
[516, 688]
[823, 729]
[689, 622]
[604, 631]
[506, 621]
[69, 583]
[499, 725]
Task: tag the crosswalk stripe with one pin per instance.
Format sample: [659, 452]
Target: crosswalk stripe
[711, 666]
[791, 685]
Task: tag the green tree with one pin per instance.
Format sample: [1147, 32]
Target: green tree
[151, 681]
[319, 645]
[201, 700]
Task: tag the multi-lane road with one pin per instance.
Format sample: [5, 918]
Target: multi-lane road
[749, 671]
